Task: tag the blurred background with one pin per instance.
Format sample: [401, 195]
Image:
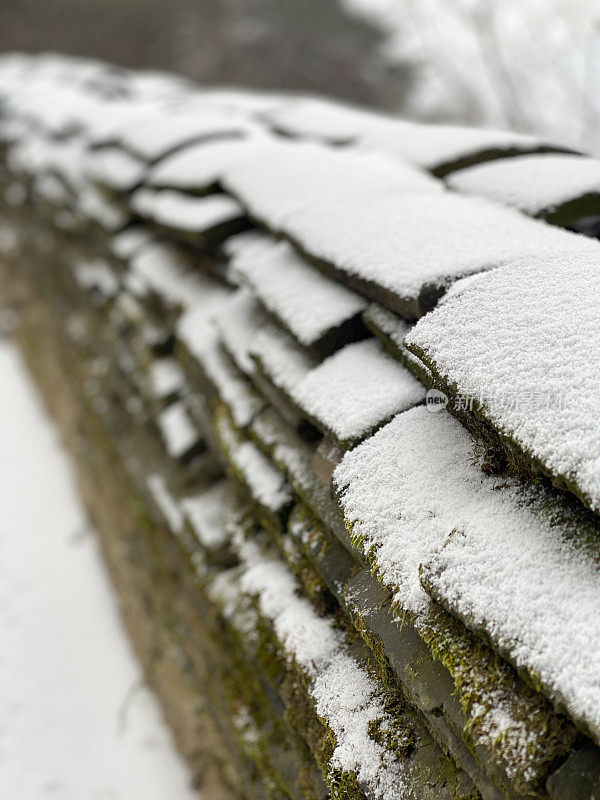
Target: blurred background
[531, 65]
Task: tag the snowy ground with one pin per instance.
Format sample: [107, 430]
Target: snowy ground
[76, 723]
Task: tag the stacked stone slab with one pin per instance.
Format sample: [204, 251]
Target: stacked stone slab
[335, 592]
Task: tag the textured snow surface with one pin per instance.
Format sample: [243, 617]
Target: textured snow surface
[321, 120]
[531, 581]
[432, 146]
[125, 243]
[166, 270]
[390, 326]
[206, 513]
[402, 492]
[344, 695]
[115, 169]
[199, 167]
[185, 212]
[514, 559]
[428, 146]
[524, 341]
[97, 274]
[77, 719]
[166, 377]
[305, 301]
[197, 332]
[532, 183]
[177, 430]
[266, 483]
[161, 132]
[239, 322]
[95, 206]
[399, 239]
[281, 358]
[278, 179]
[356, 390]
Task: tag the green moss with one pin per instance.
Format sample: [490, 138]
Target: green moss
[485, 683]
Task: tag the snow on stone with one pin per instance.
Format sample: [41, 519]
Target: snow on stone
[185, 212]
[51, 189]
[127, 242]
[520, 341]
[306, 302]
[35, 154]
[97, 274]
[320, 120]
[402, 241]
[198, 334]
[534, 184]
[344, 694]
[284, 362]
[265, 482]
[389, 326]
[405, 489]
[435, 146]
[167, 270]
[94, 206]
[356, 390]
[178, 433]
[277, 179]
[114, 168]
[515, 560]
[239, 321]
[206, 513]
[166, 377]
[428, 146]
[526, 571]
[197, 168]
[160, 133]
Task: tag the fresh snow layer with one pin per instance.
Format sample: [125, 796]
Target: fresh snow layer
[77, 720]
[523, 343]
[265, 482]
[93, 205]
[166, 270]
[356, 390]
[162, 132]
[166, 377]
[197, 333]
[239, 322]
[428, 146]
[321, 120]
[344, 694]
[115, 169]
[511, 559]
[380, 230]
[529, 577]
[177, 430]
[127, 242]
[206, 513]
[434, 146]
[97, 274]
[185, 212]
[534, 184]
[278, 179]
[403, 493]
[303, 300]
[404, 490]
[284, 362]
[197, 168]
[392, 330]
